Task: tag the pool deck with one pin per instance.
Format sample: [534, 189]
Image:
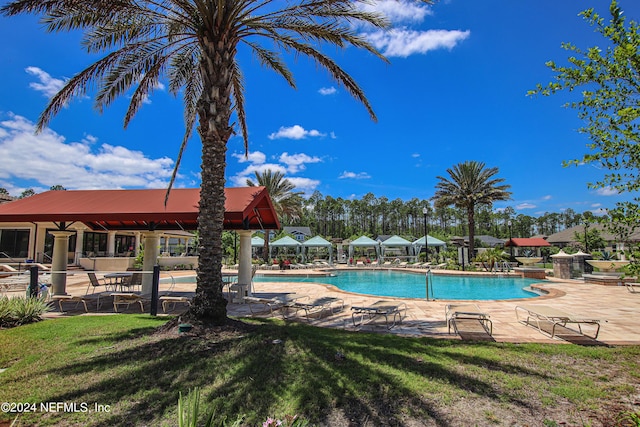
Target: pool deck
[616, 307]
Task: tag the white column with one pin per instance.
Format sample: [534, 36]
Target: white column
[79, 244]
[151, 242]
[111, 243]
[244, 268]
[59, 262]
[136, 249]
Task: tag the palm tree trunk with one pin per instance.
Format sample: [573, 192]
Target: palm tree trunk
[214, 112]
[472, 231]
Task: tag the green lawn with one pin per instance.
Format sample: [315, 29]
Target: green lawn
[328, 377]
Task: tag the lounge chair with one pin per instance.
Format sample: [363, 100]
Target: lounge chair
[544, 315]
[274, 304]
[94, 295]
[393, 313]
[316, 308]
[403, 264]
[457, 312]
[634, 288]
[126, 299]
[169, 300]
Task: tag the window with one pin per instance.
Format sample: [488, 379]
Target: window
[15, 243]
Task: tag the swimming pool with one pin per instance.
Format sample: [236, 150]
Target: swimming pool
[409, 285]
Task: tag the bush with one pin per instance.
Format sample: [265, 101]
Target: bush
[20, 311]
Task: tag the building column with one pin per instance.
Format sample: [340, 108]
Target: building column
[59, 261]
[244, 268]
[79, 244]
[111, 243]
[136, 249]
[151, 242]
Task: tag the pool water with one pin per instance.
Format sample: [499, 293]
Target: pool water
[409, 285]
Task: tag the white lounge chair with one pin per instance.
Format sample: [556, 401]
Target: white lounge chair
[544, 315]
[634, 288]
[393, 313]
[457, 312]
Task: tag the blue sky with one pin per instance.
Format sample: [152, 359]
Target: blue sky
[455, 91]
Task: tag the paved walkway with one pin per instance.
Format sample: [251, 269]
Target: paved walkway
[618, 309]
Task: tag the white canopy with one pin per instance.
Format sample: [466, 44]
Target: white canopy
[364, 241]
[285, 242]
[257, 242]
[431, 241]
[319, 242]
[396, 242]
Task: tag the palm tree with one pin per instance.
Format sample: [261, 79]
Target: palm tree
[194, 45]
[286, 202]
[470, 185]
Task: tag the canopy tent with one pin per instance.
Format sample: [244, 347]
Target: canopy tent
[285, 242]
[320, 243]
[365, 242]
[396, 242]
[431, 242]
[257, 242]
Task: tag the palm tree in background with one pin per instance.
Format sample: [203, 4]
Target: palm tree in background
[469, 185]
[194, 45]
[286, 202]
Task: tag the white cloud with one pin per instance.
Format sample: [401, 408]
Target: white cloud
[48, 85]
[287, 163]
[607, 191]
[50, 160]
[596, 205]
[400, 10]
[404, 42]
[353, 175]
[526, 206]
[547, 197]
[415, 155]
[256, 157]
[328, 90]
[294, 132]
[296, 162]
[240, 179]
[307, 185]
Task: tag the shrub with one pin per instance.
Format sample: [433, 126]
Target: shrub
[20, 311]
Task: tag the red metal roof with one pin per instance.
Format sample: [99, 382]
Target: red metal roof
[527, 242]
[245, 208]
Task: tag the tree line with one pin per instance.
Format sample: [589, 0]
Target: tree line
[374, 215]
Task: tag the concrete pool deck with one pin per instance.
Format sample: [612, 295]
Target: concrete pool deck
[617, 308]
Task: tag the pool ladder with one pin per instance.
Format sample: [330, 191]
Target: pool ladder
[429, 280]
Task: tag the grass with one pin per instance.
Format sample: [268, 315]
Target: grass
[329, 377]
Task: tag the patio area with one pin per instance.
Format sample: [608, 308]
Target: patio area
[613, 305]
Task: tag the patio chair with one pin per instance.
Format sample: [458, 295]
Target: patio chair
[454, 313]
[546, 316]
[393, 313]
[94, 283]
[132, 283]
